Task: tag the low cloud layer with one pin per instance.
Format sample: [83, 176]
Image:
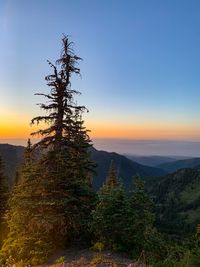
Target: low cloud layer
[150, 147]
[138, 147]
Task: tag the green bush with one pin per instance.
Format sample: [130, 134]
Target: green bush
[61, 259]
[98, 246]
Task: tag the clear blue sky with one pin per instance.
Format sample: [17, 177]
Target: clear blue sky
[140, 68]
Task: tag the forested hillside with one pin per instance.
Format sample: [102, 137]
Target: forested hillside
[177, 196]
[179, 164]
[125, 168]
[152, 161]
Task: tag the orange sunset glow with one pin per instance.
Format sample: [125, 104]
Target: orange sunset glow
[157, 130]
[20, 128]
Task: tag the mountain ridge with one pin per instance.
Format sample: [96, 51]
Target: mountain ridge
[171, 167]
[126, 168]
[153, 160]
[13, 157]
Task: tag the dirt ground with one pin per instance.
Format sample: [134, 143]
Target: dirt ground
[89, 258]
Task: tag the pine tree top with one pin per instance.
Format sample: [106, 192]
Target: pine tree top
[112, 181]
[61, 108]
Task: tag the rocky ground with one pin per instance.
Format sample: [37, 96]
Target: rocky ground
[89, 258]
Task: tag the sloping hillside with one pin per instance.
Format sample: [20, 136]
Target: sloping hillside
[125, 167]
[152, 161]
[177, 196]
[179, 164]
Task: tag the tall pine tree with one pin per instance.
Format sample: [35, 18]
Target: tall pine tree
[67, 142]
[53, 192]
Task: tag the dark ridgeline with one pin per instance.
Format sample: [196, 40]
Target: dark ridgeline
[126, 168]
[171, 167]
[50, 205]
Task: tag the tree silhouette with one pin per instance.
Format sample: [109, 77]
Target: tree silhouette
[61, 107]
[66, 140]
[51, 203]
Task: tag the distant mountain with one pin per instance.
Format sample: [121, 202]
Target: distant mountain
[177, 196]
[126, 168]
[152, 161]
[171, 167]
[13, 155]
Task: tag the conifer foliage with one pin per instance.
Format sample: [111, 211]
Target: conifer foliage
[51, 203]
[139, 219]
[63, 114]
[67, 160]
[3, 198]
[3, 191]
[109, 215]
[112, 179]
[23, 234]
[123, 221]
[67, 142]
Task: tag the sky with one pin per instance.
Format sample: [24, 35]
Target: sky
[140, 74]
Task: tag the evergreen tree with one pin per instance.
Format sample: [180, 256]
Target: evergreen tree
[125, 222]
[68, 143]
[66, 134]
[61, 107]
[140, 218]
[25, 241]
[3, 199]
[109, 215]
[51, 203]
[112, 180]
